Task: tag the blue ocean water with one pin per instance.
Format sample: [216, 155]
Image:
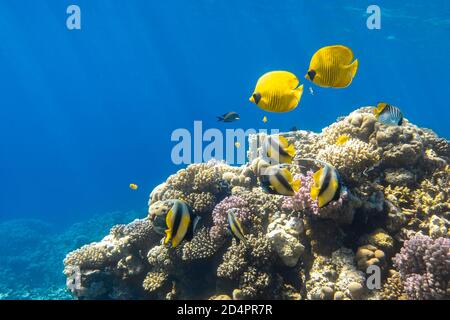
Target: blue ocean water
[86, 112]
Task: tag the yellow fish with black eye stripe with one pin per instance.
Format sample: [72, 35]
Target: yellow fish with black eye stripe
[278, 180]
[235, 226]
[178, 221]
[277, 91]
[278, 149]
[327, 186]
[332, 66]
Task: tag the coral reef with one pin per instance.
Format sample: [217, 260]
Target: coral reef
[395, 191]
[424, 266]
[32, 253]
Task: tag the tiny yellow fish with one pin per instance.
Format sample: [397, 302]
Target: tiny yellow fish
[277, 91]
[237, 144]
[332, 66]
[341, 140]
[133, 186]
[264, 119]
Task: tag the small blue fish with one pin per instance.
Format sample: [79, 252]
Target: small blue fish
[388, 115]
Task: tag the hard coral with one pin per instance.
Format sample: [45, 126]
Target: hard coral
[424, 265]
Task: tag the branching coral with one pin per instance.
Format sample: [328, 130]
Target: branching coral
[424, 265]
[220, 215]
[351, 159]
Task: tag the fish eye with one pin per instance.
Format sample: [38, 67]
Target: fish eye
[257, 97]
[311, 74]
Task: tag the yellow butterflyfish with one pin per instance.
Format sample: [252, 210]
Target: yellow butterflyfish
[264, 119]
[332, 66]
[277, 91]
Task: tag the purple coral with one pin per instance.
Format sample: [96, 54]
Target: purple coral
[220, 215]
[302, 201]
[424, 266]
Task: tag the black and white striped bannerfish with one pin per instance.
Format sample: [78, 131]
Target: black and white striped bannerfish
[278, 180]
[388, 114]
[327, 185]
[235, 226]
[278, 149]
[179, 223]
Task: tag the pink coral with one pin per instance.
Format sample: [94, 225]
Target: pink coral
[302, 201]
[220, 215]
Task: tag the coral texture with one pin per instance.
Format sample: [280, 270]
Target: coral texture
[395, 190]
[424, 265]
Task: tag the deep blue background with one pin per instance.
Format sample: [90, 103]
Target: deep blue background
[84, 113]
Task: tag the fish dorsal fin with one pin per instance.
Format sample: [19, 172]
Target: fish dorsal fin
[343, 54]
[287, 174]
[379, 108]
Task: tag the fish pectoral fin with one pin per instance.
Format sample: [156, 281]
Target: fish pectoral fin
[168, 236]
[298, 92]
[296, 185]
[290, 150]
[314, 192]
[353, 68]
[316, 176]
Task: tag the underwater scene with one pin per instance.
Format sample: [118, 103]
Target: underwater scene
[224, 150]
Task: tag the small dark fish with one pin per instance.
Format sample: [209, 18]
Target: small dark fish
[388, 114]
[229, 117]
[294, 128]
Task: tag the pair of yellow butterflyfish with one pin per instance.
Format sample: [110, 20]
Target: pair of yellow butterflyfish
[281, 91]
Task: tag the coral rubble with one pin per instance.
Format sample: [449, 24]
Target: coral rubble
[392, 215]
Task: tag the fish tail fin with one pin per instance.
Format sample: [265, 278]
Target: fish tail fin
[220, 118]
[298, 92]
[354, 67]
[296, 185]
